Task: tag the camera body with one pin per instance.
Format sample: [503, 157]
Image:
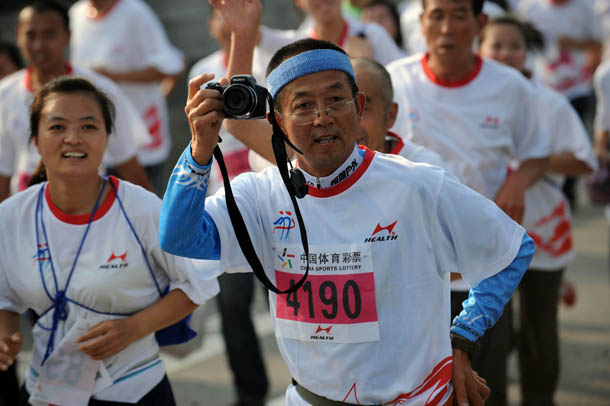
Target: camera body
[242, 99]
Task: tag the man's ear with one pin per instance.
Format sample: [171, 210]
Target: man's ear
[482, 21]
[278, 118]
[360, 102]
[390, 116]
[35, 141]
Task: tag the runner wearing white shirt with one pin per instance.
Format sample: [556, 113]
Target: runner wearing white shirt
[132, 49]
[343, 351]
[547, 214]
[42, 36]
[478, 116]
[84, 255]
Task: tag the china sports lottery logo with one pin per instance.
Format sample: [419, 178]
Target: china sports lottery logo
[284, 224]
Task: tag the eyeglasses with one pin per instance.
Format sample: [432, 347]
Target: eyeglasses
[336, 109]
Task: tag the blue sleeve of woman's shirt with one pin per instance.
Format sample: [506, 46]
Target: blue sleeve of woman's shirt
[486, 301]
[185, 228]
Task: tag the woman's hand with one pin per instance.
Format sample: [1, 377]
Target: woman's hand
[9, 348]
[108, 338]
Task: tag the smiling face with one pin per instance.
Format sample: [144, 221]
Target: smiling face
[321, 10]
[72, 135]
[504, 43]
[329, 139]
[449, 27]
[42, 38]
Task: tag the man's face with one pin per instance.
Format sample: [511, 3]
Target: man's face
[373, 120]
[329, 139]
[449, 27]
[320, 10]
[42, 38]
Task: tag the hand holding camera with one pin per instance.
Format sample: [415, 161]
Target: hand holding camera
[204, 111]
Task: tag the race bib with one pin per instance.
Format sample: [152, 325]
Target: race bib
[337, 301]
[68, 376]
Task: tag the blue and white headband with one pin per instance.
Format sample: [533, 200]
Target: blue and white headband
[307, 63]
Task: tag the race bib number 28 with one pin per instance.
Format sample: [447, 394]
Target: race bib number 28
[337, 301]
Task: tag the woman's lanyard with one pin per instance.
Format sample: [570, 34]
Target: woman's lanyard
[60, 300]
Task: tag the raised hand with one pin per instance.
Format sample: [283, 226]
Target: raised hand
[241, 16]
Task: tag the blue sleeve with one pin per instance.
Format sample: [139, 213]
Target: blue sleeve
[185, 228]
[486, 301]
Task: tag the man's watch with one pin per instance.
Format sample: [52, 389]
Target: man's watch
[469, 347]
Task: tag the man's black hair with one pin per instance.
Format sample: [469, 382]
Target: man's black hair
[9, 49]
[41, 6]
[391, 7]
[298, 47]
[477, 6]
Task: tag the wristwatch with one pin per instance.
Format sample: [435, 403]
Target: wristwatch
[469, 347]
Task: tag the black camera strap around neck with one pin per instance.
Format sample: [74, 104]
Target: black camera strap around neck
[295, 189]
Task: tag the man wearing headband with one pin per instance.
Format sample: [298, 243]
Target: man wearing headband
[370, 324]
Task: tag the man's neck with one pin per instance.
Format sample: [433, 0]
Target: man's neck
[451, 70]
[331, 30]
[76, 196]
[39, 78]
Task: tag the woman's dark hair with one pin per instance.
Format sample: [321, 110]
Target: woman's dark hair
[298, 47]
[534, 39]
[391, 7]
[11, 50]
[70, 84]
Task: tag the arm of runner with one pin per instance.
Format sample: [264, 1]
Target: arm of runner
[10, 338]
[511, 196]
[602, 139]
[132, 171]
[487, 299]
[568, 164]
[243, 19]
[481, 311]
[109, 337]
[185, 228]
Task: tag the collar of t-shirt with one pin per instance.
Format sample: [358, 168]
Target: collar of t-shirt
[344, 171]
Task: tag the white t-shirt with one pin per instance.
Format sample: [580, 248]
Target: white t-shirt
[476, 126]
[19, 158]
[130, 37]
[565, 71]
[111, 275]
[414, 152]
[382, 242]
[547, 213]
[384, 48]
[601, 82]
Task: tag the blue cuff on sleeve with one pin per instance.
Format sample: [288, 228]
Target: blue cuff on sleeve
[185, 228]
[486, 301]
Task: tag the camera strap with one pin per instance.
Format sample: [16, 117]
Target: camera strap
[296, 188]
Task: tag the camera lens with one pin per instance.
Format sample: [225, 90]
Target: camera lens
[239, 100]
